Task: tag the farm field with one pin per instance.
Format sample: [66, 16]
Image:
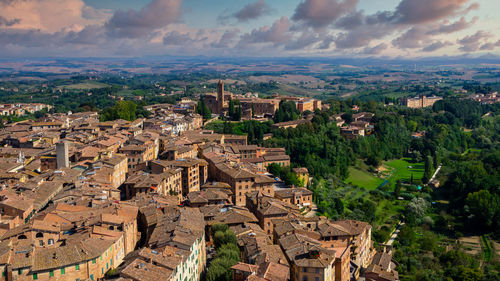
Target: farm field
[402, 169]
[363, 178]
[85, 86]
[392, 171]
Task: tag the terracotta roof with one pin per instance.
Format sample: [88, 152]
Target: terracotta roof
[233, 216]
[353, 226]
[274, 272]
[141, 270]
[245, 267]
[286, 193]
[85, 250]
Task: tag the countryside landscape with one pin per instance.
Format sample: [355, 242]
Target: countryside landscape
[253, 140]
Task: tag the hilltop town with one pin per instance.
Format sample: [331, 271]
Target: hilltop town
[221, 184]
[83, 199]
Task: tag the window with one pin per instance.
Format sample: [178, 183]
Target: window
[304, 269]
[51, 273]
[317, 270]
[304, 278]
[77, 266]
[39, 235]
[316, 278]
[35, 276]
[63, 271]
[93, 261]
[20, 271]
[92, 277]
[51, 241]
[41, 243]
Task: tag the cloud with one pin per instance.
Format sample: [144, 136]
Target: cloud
[326, 42]
[252, 11]
[277, 34]
[49, 15]
[28, 38]
[69, 27]
[6, 22]
[351, 21]
[425, 11]
[472, 43]
[490, 46]
[305, 40]
[321, 13]
[227, 39]
[453, 27]
[487, 47]
[375, 50]
[436, 46]
[176, 38]
[417, 20]
[360, 37]
[90, 35]
[413, 38]
[135, 24]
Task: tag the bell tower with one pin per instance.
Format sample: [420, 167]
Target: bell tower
[220, 96]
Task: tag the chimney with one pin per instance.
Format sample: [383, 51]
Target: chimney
[62, 154]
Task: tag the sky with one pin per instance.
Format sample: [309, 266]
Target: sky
[249, 28]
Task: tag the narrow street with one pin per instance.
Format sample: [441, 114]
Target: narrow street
[394, 234]
[435, 173]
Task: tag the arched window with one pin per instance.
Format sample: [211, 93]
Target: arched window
[111, 227]
[20, 237]
[51, 241]
[39, 235]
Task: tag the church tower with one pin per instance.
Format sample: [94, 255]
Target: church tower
[220, 97]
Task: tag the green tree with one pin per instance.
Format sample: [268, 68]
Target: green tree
[227, 128]
[347, 117]
[203, 109]
[287, 111]
[484, 208]
[412, 125]
[234, 110]
[397, 189]
[415, 210]
[427, 169]
[125, 110]
[224, 237]
[406, 236]
[227, 255]
[218, 227]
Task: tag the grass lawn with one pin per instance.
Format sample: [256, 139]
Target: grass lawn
[386, 209]
[363, 179]
[125, 93]
[86, 86]
[401, 171]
